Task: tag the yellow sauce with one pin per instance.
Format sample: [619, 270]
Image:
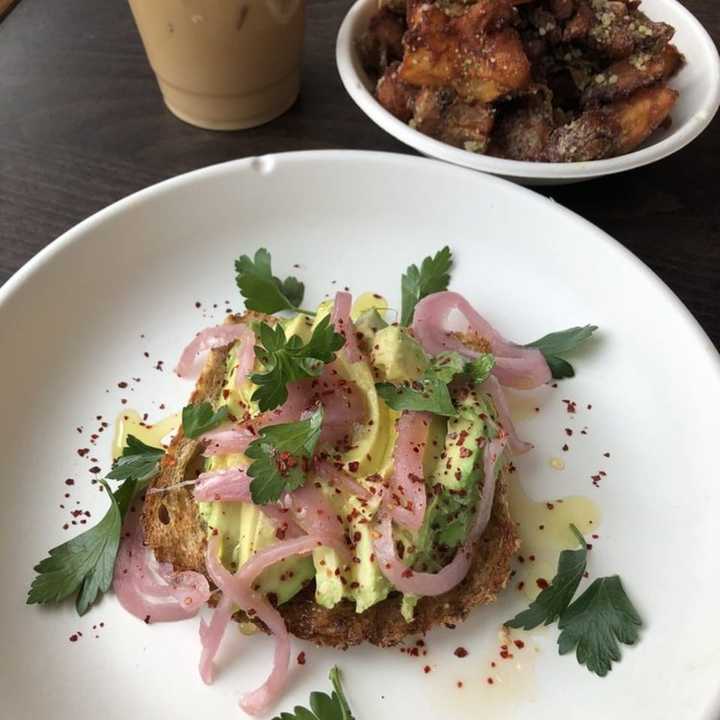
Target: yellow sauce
[557, 463]
[130, 422]
[544, 529]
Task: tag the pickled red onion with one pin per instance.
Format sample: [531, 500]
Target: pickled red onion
[238, 588]
[150, 590]
[225, 440]
[432, 584]
[515, 366]
[211, 635]
[213, 337]
[315, 515]
[407, 498]
[338, 478]
[233, 485]
[245, 358]
[344, 325]
[492, 387]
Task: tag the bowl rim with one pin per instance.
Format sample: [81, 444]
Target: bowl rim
[352, 74]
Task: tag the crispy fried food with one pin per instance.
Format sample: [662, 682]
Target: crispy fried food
[557, 72]
[641, 114]
[476, 54]
[173, 529]
[381, 44]
[442, 115]
[613, 129]
[523, 128]
[395, 95]
[626, 76]
[617, 31]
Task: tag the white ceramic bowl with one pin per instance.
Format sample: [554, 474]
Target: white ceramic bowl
[698, 84]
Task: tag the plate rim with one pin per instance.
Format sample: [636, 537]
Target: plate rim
[348, 68]
[265, 163]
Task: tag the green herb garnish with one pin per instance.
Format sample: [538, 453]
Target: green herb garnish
[199, 419]
[262, 290]
[556, 344]
[288, 360]
[600, 618]
[595, 623]
[280, 457]
[554, 599]
[84, 565]
[430, 392]
[322, 706]
[433, 276]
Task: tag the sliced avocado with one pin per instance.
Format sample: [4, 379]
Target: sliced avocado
[397, 356]
[456, 482]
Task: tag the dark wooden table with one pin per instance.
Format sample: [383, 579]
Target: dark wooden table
[82, 124]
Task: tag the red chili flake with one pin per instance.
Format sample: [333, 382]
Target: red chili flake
[542, 583]
[459, 683]
[549, 506]
[461, 652]
[595, 537]
[122, 385]
[69, 481]
[490, 681]
[198, 304]
[82, 452]
[531, 558]
[519, 644]
[73, 638]
[146, 620]
[65, 526]
[537, 409]
[571, 406]
[541, 527]
[407, 573]
[426, 669]
[301, 658]
[565, 448]
[589, 407]
[521, 585]
[607, 454]
[493, 663]
[353, 466]
[506, 655]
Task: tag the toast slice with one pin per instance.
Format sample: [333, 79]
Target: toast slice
[174, 530]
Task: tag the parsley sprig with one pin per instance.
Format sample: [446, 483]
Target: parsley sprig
[262, 290]
[279, 457]
[432, 276]
[84, 564]
[556, 344]
[594, 624]
[322, 706]
[200, 418]
[430, 392]
[285, 360]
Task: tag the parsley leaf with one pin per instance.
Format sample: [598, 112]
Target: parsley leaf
[288, 360]
[559, 343]
[84, 564]
[433, 276]
[138, 461]
[199, 419]
[600, 618]
[554, 599]
[323, 706]
[278, 456]
[262, 290]
[428, 394]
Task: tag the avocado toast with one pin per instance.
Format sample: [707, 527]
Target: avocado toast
[177, 531]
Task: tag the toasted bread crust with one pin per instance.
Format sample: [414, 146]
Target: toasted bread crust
[174, 530]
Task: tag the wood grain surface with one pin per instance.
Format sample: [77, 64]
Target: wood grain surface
[82, 124]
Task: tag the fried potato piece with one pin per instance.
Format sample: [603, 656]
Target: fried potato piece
[523, 128]
[617, 32]
[442, 115]
[640, 115]
[626, 76]
[395, 95]
[381, 44]
[614, 129]
[475, 53]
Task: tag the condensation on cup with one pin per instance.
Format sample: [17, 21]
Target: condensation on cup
[224, 64]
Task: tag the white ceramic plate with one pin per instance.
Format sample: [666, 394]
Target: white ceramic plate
[698, 83]
[77, 320]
